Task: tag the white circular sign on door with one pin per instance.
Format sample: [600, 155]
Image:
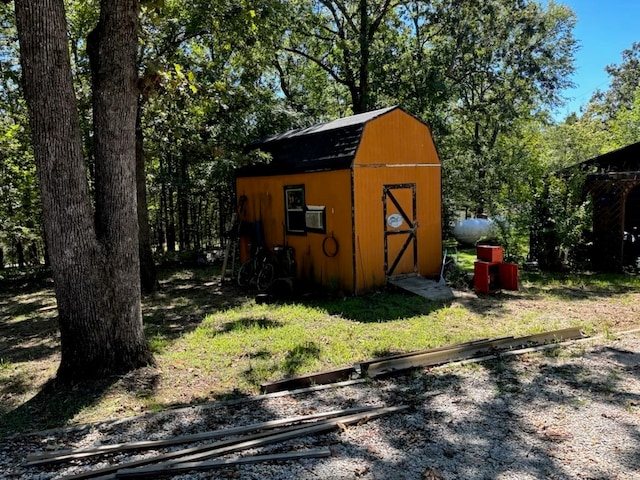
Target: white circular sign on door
[395, 220]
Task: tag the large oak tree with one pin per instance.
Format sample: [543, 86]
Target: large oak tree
[93, 245]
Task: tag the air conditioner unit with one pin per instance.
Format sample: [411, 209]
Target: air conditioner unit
[315, 218]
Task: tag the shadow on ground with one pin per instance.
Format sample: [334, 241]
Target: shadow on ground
[376, 307]
[53, 406]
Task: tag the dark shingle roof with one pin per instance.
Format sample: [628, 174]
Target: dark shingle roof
[625, 159]
[327, 146]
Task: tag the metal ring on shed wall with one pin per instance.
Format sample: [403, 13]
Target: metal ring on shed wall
[330, 252]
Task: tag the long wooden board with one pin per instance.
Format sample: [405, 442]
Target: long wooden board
[442, 356]
[175, 467]
[109, 472]
[202, 452]
[274, 457]
[58, 456]
[320, 378]
[430, 357]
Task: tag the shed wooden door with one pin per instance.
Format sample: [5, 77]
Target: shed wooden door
[400, 225]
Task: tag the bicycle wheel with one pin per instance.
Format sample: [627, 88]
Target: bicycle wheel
[265, 277]
[245, 273]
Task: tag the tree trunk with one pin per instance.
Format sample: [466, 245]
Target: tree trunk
[363, 68]
[95, 275]
[20, 253]
[170, 225]
[148, 273]
[183, 203]
[161, 217]
[47, 259]
[112, 49]
[34, 258]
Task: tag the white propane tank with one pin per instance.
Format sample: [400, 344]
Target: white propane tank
[471, 230]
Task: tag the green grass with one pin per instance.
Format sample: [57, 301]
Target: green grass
[267, 342]
[255, 343]
[4, 364]
[465, 258]
[612, 282]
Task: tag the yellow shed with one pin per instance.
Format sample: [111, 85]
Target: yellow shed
[359, 199]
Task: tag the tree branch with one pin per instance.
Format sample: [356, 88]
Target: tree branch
[324, 67]
[343, 9]
[382, 13]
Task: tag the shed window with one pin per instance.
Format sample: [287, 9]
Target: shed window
[295, 209]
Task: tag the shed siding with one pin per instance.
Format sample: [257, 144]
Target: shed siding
[369, 221]
[396, 138]
[265, 202]
[405, 145]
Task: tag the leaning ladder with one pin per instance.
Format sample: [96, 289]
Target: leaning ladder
[231, 254]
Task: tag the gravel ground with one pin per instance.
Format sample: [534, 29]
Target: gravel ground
[568, 413]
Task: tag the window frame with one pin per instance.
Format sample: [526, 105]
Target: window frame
[295, 209]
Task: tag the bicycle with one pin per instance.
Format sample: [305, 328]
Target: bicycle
[249, 271]
[281, 263]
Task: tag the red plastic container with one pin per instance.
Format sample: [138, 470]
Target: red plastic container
[486, 276]
[508, 276]
[489, 253]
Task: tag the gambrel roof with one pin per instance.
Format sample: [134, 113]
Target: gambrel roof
[326, 146]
